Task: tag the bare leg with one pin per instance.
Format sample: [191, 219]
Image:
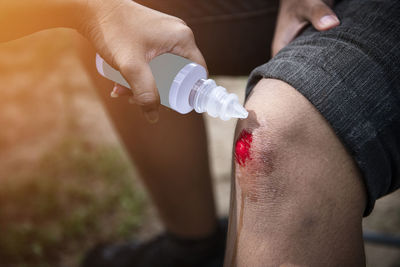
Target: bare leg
[297, 198]
[171, 157]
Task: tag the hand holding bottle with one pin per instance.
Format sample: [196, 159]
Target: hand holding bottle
[128, 36]
[124, 33]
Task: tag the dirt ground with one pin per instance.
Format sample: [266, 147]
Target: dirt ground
[34, 114]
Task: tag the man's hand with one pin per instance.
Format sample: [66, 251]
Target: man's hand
[128, 36]
[294, 15]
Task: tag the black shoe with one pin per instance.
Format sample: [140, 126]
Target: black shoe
[163, 251]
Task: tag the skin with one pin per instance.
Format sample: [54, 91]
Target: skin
[299, 199]
[130, 53]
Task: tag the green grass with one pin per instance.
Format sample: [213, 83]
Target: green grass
[75, 195]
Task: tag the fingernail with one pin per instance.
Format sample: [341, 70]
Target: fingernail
[114, 93]
[151, 116]
[329, 20]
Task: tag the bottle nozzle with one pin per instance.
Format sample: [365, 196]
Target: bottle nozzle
[206, 96]
[232, 109]
[237, 111]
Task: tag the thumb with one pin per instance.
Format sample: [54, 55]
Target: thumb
[321, 16]
[144, 89]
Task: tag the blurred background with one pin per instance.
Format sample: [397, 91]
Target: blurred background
[66, 182]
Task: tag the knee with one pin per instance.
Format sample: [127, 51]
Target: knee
[257, 155]
[284, 148]
[276, 127]
[294, 181]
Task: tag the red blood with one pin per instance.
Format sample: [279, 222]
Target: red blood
[242, 148]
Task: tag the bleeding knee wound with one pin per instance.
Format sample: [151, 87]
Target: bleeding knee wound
[255, 161]
[253, 152]
[242, 147]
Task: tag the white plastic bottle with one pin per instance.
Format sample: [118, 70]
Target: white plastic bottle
[183, 86]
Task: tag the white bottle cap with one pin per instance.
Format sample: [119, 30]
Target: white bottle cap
[182, 86]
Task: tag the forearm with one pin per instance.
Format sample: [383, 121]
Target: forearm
[23, 17]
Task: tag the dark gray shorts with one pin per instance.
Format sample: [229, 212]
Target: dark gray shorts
[351, 73]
